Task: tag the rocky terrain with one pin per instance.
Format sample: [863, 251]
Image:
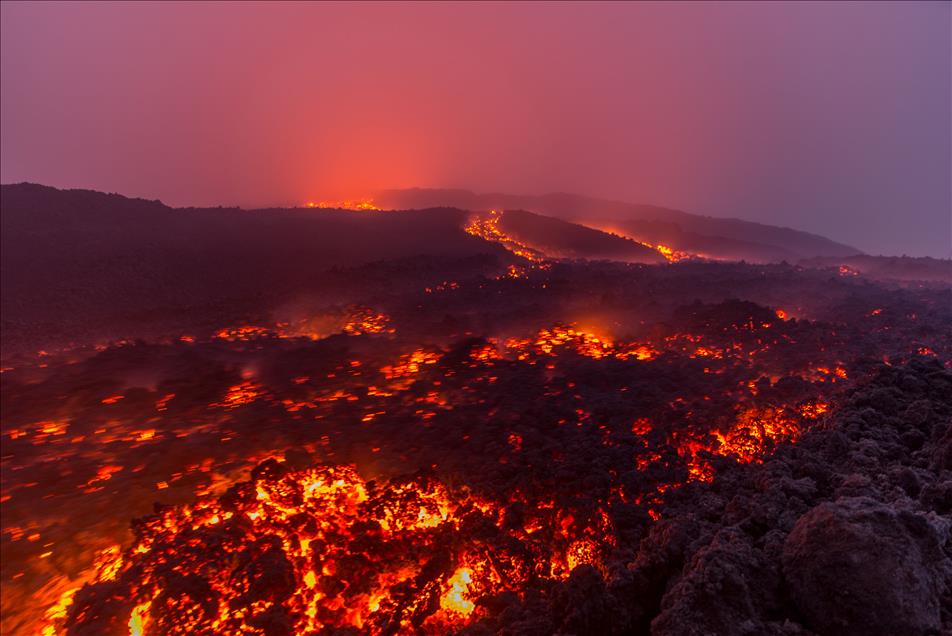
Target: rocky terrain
[509, 433]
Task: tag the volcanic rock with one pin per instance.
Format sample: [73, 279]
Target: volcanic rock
[857, 566]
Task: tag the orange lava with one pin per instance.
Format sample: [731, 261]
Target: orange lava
[354, 205]
[322, 548]
[486, 227]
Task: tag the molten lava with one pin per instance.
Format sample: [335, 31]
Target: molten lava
[670, 254]
[546, 448]
[486, 227]
[321, 548]
[355, 205]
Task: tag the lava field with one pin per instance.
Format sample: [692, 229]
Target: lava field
[533, 450]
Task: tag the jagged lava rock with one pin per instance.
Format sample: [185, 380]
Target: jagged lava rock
[857, 566]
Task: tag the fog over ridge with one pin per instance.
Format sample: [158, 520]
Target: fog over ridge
[828, 118]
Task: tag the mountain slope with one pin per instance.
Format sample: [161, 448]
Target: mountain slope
[889, 268]
[732, 239]
[561, 239]
[78, 262]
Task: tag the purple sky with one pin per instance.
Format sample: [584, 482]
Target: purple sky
[833, 118]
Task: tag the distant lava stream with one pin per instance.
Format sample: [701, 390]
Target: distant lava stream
[533, 236]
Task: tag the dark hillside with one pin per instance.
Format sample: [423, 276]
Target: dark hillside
[732, 239]
[73, 260]
[569, 240]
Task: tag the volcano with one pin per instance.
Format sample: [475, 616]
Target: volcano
[715, 238]
[465, 419]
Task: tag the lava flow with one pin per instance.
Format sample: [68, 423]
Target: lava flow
[307, 549]
[483, 375]
[408, 473]
[354, 205]
[486, 227]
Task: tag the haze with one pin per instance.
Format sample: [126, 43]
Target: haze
[831, 118]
